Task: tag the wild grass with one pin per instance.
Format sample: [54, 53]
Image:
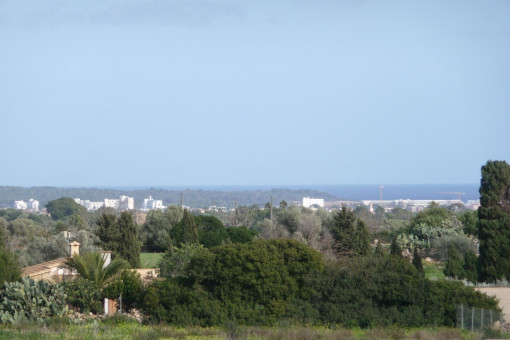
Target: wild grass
[433, 271]
[150, 260]
[133, 330]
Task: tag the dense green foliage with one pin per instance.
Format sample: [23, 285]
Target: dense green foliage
[156, 229]
[494, 222]
[128, 246]
[395, 249]
[454, 264]
[251, 282]
[64, 207]
[267, 281]
[174, 263]
[83, 294]
[350, 233]
[417, 262]
[10, 269]
[241, 234]
[120, 236]
[31, 300]
[211, 231]
[127, 286]
[189, 228]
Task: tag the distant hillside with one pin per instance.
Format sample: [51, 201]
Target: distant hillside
[192, 198]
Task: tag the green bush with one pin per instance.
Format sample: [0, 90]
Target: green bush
[266, 282]
[254, 283]
[31, 300]
[129, 284]
[84, 295]
[241, 234]
[10, 270]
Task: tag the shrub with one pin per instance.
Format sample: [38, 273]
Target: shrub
[83, 294]
[129, 284]
[31, 300]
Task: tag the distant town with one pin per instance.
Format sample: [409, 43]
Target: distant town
[124, 203]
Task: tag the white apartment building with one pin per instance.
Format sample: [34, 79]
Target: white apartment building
[89, 205]
[152, 204]
[33, 205]
[126, 203]
[20, 205]
[308, 202]
[111, 203]
[123, 203]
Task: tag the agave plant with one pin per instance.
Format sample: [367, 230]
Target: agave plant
[91, 266]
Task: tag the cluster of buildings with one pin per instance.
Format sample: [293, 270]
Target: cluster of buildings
[30, 205]
[128, 203]
[152, 204]
[122, 203]
[310, 202]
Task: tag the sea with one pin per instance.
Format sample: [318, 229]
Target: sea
[356, 192]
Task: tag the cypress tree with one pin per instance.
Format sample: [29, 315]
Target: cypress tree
[362, 239]
[417, 262]
[351, 235]
[10, 269]
[190, 228]
[454, 264]
[128, 245]
[395, 249]
[107, 231]
[379, 251]
[470, 270]
[494, 222]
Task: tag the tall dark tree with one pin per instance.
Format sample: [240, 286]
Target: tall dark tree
[156, 230]
[128, 246]
[379, 251]
[10, 269]
[494, 222]
[190, 230]
[351, 235]
[454, 265]
[361, 239]
[470, 270]
[417, 262]
[395, 249]
[107, 231]
[120, 236]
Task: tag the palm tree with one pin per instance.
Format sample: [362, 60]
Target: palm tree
[91, 266]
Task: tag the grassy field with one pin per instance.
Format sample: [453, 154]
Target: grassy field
[150, 260]
[133, 330]
[433, 271]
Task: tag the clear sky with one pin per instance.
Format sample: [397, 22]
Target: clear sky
[154, 93]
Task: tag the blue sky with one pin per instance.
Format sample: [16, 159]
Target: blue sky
[153, 93]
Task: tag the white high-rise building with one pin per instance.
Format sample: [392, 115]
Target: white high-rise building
[152, 204]
[20, 205]
[126, 203]
[111, 203]
[308, 202]
[33, 205]
[123, 203]
[89, 205]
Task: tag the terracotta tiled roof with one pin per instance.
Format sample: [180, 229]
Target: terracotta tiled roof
[44, 267]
